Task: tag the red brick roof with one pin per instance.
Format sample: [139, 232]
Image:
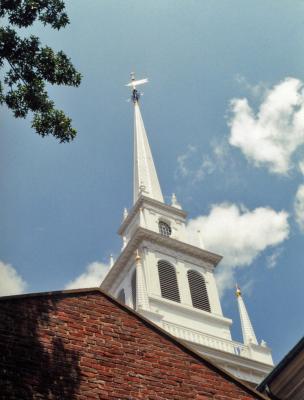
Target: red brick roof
[83, 344]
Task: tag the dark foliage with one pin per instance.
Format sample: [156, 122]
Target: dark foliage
[29, 66]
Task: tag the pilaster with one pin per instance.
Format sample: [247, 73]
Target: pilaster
[142, 300]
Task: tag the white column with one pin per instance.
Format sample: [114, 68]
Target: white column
[142, 301]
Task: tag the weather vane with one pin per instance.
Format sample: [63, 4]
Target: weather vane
[135, 93]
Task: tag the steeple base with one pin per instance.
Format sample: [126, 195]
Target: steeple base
[250, 363]
[244, 368]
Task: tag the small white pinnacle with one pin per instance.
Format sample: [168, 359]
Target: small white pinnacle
[200, 240]
[111, 260]
[174, 202]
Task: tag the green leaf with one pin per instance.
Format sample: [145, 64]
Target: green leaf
[29, 66]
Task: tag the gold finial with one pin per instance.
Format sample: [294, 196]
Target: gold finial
[238, 292]
[137, 256]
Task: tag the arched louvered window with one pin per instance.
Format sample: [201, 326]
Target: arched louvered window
[121, 296]
[168, 281]
[198, 290]
[164, 228]
[133, 289]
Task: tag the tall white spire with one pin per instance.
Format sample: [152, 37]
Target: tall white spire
[247, 329]
[145, 176]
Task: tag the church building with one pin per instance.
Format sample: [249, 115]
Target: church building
[154, 330]
[171, 282]
[85, 345]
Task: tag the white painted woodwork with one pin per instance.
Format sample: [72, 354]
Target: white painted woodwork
[208, 332]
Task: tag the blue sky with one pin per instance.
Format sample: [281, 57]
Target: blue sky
[226, 84]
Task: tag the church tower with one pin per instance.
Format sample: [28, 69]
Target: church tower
[170, 281]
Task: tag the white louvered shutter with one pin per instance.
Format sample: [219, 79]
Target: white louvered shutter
[168, 281]
[198, 290]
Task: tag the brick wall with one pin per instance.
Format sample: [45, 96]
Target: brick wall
[83, 345]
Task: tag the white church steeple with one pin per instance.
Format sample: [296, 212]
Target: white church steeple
[247, 329]
[145, 180]
[170, 281]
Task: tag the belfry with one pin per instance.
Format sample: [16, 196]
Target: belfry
[170, 281]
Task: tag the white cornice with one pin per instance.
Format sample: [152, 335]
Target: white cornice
[142, 234]
[192, 310]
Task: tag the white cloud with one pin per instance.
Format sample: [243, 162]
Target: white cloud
[10, 281]
[183, 160]
[206, 167]
[299, 207]
[255, 90]
[272, 135]
[238, 234]
[272, 259]
[221, 150]
[301, 167]
[248, 287]
[92, 277]
[195, 166]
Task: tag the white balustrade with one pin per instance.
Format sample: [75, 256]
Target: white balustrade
[205, 339]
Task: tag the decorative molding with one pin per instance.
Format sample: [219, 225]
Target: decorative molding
[145, 202]
[190, 309]
[140, 235]
[232, 352]
[154, 316]
[182, 257]
[205, 339]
